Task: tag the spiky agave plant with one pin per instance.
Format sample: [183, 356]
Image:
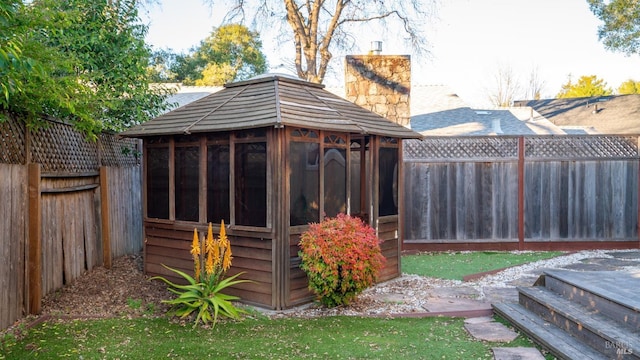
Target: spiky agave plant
[203, 292]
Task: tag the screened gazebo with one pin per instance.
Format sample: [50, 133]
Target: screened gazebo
[268, 156]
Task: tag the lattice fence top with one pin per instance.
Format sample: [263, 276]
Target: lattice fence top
[499, 148]
[12, 143]
[461, 148]
[582, 147]
[116, 151]
[59, 148]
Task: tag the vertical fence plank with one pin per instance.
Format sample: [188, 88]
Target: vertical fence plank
[106, 224]
[35, 240]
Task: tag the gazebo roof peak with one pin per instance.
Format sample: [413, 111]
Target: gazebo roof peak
[270, 100]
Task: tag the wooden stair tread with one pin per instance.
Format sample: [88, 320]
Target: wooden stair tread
[599, 324]
[607, 285]
[551, 337]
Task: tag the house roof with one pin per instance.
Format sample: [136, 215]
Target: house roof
[616, 114]
[437, 111]
[270, 100]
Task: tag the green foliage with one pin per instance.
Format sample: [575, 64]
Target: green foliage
[585, 87]
[203, 295]
[456, 265]
[80, 61]
[230, 53]
[204, 298]
[620, 30]
[341, 257]
[629, 87]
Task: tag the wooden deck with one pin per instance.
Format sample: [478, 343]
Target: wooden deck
[581, 314]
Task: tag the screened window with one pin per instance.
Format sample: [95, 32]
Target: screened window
[335, 175]
[251, 184]
[357, 185]
[187, 163]
[158, 182]
[218, 183]
[388, 181]
[303, 182]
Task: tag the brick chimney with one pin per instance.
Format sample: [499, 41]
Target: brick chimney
[380, 83]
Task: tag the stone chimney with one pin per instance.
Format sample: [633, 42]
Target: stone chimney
[380, 83]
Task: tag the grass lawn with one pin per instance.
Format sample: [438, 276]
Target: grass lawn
[455, 265]
[254, 338]
[258, 337]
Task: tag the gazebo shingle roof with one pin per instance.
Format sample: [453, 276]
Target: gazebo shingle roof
[271, 100]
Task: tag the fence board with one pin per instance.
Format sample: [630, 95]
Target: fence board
[70, 226]
[13, 205]
[576, 188]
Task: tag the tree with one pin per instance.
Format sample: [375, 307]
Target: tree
[231, 52]
[585, 87]
[88, 64]
[506, 87]
[621, 28]
[536, 85]
[318, 27]
[629, 87]
[27, 67]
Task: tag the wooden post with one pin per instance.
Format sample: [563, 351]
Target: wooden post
[35, 241]
[521, 192]
[105, 221]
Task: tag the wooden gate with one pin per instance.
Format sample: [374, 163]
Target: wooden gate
[71, 241]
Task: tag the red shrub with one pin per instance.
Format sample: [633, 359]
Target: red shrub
[341, 257]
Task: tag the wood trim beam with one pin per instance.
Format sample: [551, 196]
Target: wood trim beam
[34, 269]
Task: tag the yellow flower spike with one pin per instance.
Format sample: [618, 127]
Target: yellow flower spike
[195, 252]
[216, 253]
[195, 245]
[226, 262]
[209, 265]
[210, 241]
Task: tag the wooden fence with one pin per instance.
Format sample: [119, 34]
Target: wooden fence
[66, 206]
[555, 192]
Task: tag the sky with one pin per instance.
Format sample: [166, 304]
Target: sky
[469, 41]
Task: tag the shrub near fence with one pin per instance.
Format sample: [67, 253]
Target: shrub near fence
[66, 205]
[538, 192]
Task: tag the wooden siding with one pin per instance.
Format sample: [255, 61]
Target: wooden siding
[169, 244]
[13, 214]
[298, 284]
[390, 246]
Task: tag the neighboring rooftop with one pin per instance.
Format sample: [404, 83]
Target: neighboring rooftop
[437, 111]
[615, 114]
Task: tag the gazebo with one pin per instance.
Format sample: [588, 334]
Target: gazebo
[268, 156]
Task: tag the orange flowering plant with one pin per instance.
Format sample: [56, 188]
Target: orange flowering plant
[341, 257]
[202, 294]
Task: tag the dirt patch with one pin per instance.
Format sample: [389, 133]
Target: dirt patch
[122, 290]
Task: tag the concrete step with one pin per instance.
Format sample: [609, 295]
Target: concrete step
[558, 342]
[586, 324]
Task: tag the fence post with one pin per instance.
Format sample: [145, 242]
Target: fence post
[35, 241]
[521, 153]
[104, 207]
